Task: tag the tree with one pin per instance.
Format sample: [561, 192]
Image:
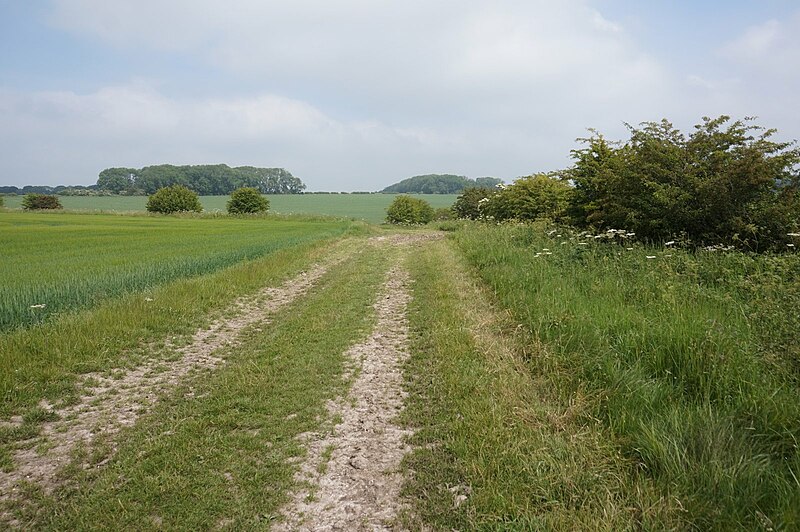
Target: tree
[439, 184]
[247, 200]
[205, 179]
[406, 210]
[40, 201]
[117, 180]
[176, 198]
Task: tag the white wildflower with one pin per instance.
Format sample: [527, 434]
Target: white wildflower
[148, 299]
[41, 305]
[669, 243]
[629, 249]
[650, 256]
[789, 245]
[792, 234]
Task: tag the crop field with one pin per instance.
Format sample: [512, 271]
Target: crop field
[368, 207]
[64, 261]
[284, 373]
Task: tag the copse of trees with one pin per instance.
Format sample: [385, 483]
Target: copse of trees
[726, 183]
[439, 184]
[206, 180]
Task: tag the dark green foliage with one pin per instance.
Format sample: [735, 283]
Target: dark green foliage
[176, 198]
[529, 198]
[468, 204]
[117, 180]
[439, 184]
[247, 200]
[1, 201]
[40, 201]
[726, 183]
[406, 210]
[206, 180]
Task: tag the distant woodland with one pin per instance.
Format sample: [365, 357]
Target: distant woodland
[205, 179]
[440, 184]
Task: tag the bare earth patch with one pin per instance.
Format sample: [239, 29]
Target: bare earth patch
[351, 477]
[110, 403]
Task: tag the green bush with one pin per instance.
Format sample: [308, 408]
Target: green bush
[247, 200]
[727, 182]
[468, 204]
[40, 201]
[1, 201]
[406, 210]
[176, 198]
[529, 198]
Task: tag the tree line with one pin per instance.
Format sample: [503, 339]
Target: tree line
[439, 184]
[728, 182]
[206, 180]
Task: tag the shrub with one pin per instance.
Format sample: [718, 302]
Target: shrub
[247, 200]
[468, 204]
[406, 210]
[1, 201]
[40, 201]
[176, 198]
[529, 198]
[727, 182]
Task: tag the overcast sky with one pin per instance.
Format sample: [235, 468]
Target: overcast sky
[358, 94]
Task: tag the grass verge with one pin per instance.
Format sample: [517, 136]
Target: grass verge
[686, 359]
[494, 448]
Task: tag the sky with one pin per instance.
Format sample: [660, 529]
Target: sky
[358, 94]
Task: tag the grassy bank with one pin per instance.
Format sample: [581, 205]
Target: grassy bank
[688, 361]
[55, 262]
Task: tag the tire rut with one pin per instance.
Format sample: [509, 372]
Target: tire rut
[351, 478]
[109, 404]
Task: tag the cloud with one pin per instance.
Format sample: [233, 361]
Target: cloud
[356, 94]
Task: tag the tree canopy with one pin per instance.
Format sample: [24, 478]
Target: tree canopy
[439, 184]
[206, 179]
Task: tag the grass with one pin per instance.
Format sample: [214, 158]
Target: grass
[43, 362]
[226, 457]
[494, 448]
[686, 359]
[368, 207]
[55, 262]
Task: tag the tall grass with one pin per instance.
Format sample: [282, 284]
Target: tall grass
[57, 262]
[689, 359]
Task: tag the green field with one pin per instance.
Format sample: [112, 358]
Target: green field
[369, 207]
[554, 381]
[66, 261]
